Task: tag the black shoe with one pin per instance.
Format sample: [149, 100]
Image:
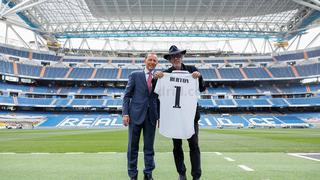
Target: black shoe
[182, 177]
[134, 178]
[148, 177]
[195, 178]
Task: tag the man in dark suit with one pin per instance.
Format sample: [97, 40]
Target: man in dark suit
[140, 112]
[175, 57]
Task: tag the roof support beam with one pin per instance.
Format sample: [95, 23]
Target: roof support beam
[36, 40]
[313, 40]
[316, 2]
[298, 43]
[14, 8]
[21, 7]
[4, 7]
[20, 38]
[6, 34]
[304, 3]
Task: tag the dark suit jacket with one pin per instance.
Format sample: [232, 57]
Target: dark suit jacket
[137, 100]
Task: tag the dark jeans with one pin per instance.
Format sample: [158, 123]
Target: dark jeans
[194, 154]
[133, 147]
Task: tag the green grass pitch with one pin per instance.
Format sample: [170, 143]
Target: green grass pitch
[100, 154]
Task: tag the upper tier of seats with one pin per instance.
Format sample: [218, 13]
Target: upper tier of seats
[46, 56]
[114, 74]
[117, 103]
[238, 90]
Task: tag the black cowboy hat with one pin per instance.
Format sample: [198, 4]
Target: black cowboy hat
[172, 51]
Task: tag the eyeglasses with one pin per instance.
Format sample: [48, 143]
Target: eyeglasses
[176, 56]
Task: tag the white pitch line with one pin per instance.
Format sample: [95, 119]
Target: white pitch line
[5, 153]
[74, 153]
[301, 156]
[40, 153]
[218, 153]
[246, 168]
[229, 159]
[107, 153]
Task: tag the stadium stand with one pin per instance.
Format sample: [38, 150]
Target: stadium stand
[106, 74]
[281, 72]
[256, 73]
[81, 73]
[99, 120]
[263, 90]
[113, 72]
[55, 72]
[6, 67]
[230, 73]
[28, 70]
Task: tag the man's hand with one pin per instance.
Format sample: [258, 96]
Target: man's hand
[158, 74]
[196, 74]
[125, 120]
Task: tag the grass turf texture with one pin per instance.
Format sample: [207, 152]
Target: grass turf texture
[115, 140]
[260, 149]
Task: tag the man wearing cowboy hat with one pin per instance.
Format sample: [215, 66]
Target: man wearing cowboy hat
[175, 57]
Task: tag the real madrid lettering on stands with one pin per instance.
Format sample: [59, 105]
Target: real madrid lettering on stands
[91, 122]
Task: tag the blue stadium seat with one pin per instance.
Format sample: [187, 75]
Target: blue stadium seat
[208, 73]
[281, 72]
[289, 57]
[81, 73]
[309, 70]
[293, 89]
[37, 102]
[245, 90]
[29, 70]
[106, 73]
[219, 90]
[258, 60]
[225, 103]
[14, 87]
[314, 101]
[278, 102]
[256, 73]
[113, 90]
[67, 90]
[230, 73]
[206, 103]
[126, 72]
[6, 100]
[114, 103]
[55, 72]
[6, 67]
[313, 53]
[94, 91]
[62, 102]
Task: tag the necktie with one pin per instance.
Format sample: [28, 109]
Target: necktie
[149, 81]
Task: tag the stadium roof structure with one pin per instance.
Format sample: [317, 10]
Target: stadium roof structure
[166, 18]
[280, 20]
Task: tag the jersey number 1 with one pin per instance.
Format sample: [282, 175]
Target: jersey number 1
[177, 102]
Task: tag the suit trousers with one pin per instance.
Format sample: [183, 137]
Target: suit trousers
[133, 146]
[194, 154]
